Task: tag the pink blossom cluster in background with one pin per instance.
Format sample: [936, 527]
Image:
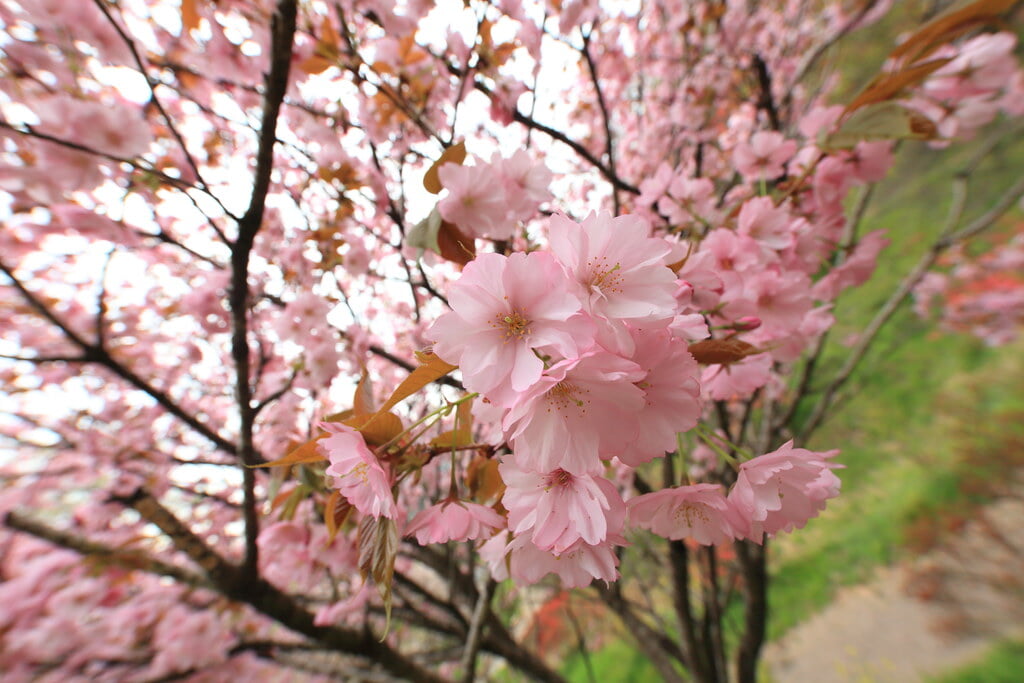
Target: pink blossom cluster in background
[982, 295]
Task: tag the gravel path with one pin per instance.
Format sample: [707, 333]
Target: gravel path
[918, 619]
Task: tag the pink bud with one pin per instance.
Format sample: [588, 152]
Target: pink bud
[747, 323]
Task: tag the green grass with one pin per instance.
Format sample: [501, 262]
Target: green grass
[1004, 663]
[617, 661]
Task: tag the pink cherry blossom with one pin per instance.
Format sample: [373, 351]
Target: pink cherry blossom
[476, 201]
[736, 380]
[576, 567]
[700, 512]
[618, 266]
[579, 411]
[770, 225]
[356, 472]
[855, 270]
[558, 508]
[504, 309]
[454, 520]
[781, 490]
[764, 156]
[671, 395]
[526, 184]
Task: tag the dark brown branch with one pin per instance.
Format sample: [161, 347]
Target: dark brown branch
[31, 132]
[752, 560]
[606, 119]
[766, 100]
[661, 651]
[282, 28]
[230, 580]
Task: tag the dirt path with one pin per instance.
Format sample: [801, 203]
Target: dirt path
[918, 619]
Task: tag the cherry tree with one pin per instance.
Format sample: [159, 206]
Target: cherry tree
[341, 338]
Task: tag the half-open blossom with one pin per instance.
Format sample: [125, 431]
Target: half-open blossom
[856, 270]
[454, 520]
[781, 490]
[356, 472]
[700, 512]
[559, 508]
[577, 566]
[503, 310]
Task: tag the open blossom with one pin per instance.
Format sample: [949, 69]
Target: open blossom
[770, 225]
[503, 310]
[356, 472]
[558, 508]
[526, 184]
[618, 266]
[454, 520]
[781, 490]
[476, 201]
[779, 299]
[700, 512]
[671, 394]
[764, 156]
[579, 411]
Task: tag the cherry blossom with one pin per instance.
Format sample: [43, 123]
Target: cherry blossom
[781, 490]
[356, 471]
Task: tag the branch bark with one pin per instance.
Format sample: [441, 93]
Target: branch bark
[282, 27]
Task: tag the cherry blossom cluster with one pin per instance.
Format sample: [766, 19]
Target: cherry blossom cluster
[580, 354]
[489, 199]
[130, 132]
[981, 79]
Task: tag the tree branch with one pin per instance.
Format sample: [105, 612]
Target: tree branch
[282, 28]
[753, 560]
[92, 353]
[128, 559]
[476, 626]
[948, 238]
[606, 119]
[658, 648]
[230, 580]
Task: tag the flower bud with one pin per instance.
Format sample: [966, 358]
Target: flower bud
[747, 323]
